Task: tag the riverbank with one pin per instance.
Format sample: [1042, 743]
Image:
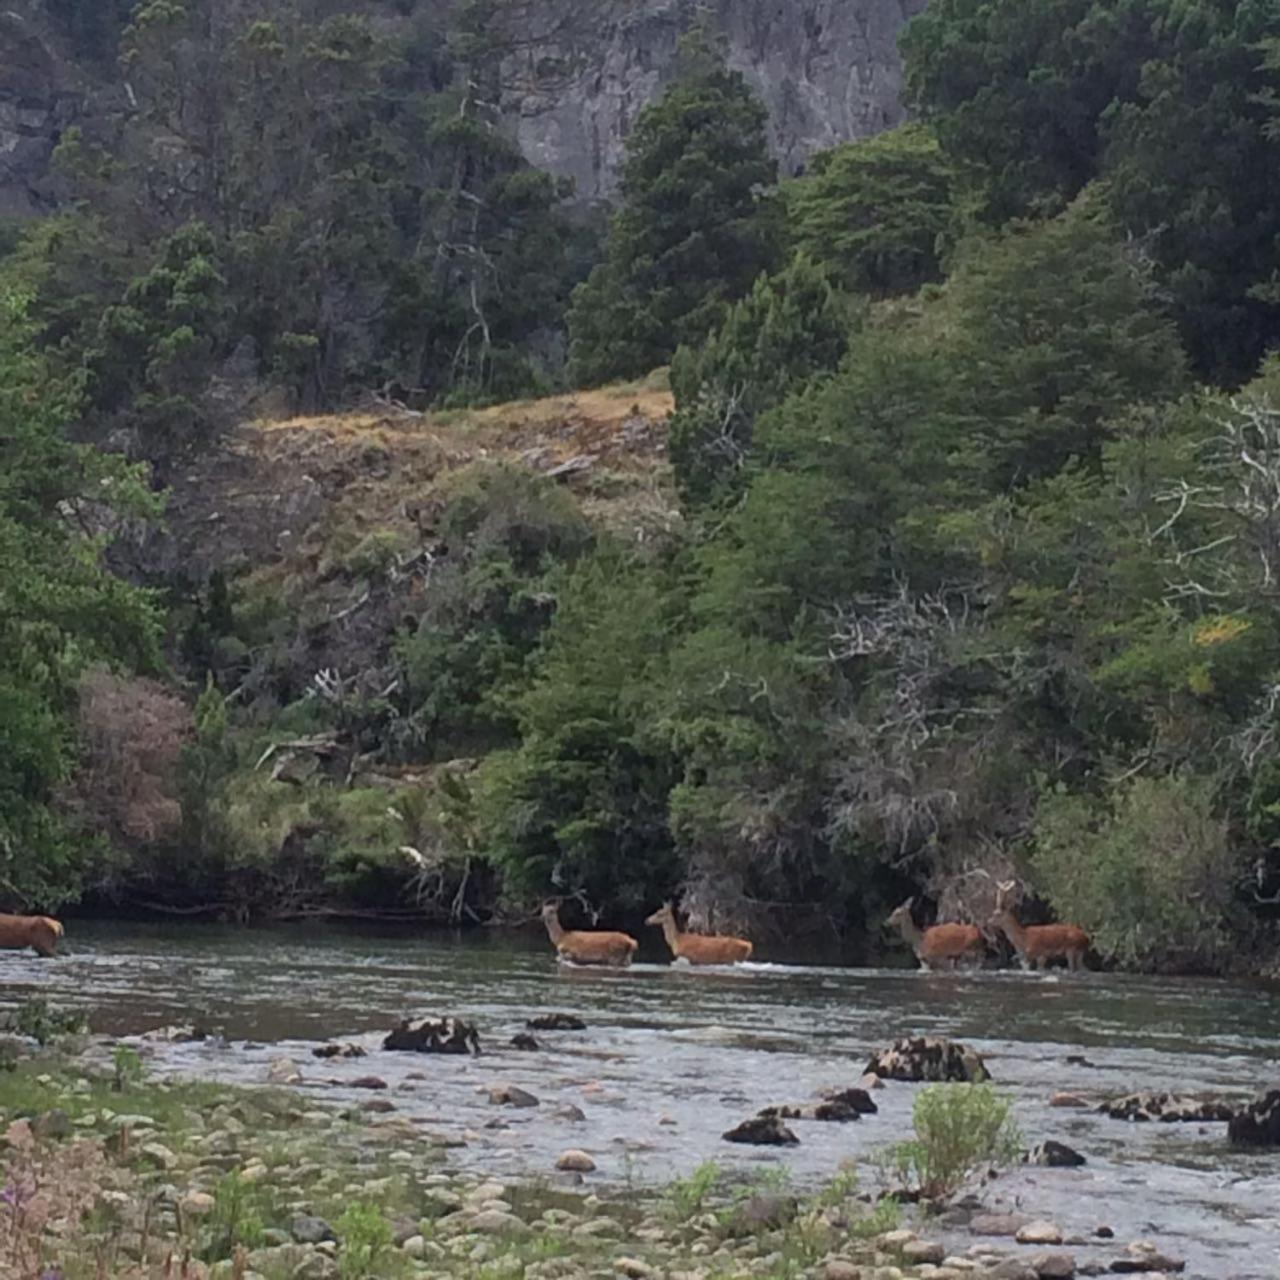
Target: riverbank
[110, 1173]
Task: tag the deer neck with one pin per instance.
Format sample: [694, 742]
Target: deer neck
[1012, 930]
[911, 932]
[554, 928]
[671, 933]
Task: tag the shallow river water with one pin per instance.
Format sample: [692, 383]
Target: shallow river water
[707, 1048]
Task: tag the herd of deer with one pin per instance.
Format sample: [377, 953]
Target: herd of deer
[943, 946]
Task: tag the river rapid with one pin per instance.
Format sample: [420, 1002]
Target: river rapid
[673, 1056]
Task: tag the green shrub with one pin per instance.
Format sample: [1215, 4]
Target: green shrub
[1149, 875]
[960, 1128]
[366, 1239]
[686, 1197]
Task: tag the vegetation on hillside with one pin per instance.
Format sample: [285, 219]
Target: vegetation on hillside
[961, 561]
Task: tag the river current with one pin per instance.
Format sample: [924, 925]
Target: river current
[673, 1056]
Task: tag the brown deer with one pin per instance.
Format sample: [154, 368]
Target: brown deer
[941, 947]
[587, 946]
[40, 933]
[699, 948]
[1037, 944]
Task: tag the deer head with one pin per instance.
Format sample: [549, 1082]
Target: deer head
[662, 915]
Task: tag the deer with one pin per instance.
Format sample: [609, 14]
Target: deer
[941, 947]
[699, 948]
[1037, 944]
[583, 946]
[40, 933]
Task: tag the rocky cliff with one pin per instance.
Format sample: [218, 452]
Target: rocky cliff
[828, 71]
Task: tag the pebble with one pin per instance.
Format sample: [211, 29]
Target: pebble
[414, 1247]
[1039, 1233]
[575, 1161]
[839, 1269]
[494, 1222]
[633, 1268]
[159, 1154]
[307, 1229]
[196, 1204]
[996, 1224]
[510, 1095]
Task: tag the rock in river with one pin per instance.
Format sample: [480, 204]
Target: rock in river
[1258, 1124]
[524, 1041]
[556, 1022]
[327, 1051]
[575, 1161]
[1054, 1155]
[510, 1095]
[932, 1058]
[764, 1131]
[433, 1035]
[1165, 1106]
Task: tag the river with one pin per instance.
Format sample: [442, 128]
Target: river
[672, 1057]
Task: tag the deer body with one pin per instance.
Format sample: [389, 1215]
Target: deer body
[1037, 944]
[941, 947]
[699, 948]
[584, 946]
[40, 933]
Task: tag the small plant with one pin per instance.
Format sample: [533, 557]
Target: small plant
[886, 1216]
[366, 1237]
[236, 1220]
[129, 1068]
[687, 1196]
[959, 1129]
[42, 1023]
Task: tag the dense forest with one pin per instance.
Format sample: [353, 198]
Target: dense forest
[974, 569]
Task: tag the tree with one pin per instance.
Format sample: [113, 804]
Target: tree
[59, 609]
[1166, 102]
[791, 328]
[873, 212]
[693, 232]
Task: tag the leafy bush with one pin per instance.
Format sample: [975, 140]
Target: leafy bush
[43, 1023]
[686, 1197]
[960, 1129]
[366, 1238]
[1149, 873]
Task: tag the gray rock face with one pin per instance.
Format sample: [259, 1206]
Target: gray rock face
[828, 71]
[38, 99]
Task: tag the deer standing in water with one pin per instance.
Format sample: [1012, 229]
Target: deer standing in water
[584, 946]
[1037, 944]
[699, 948]
[942, 946]
[40, 933]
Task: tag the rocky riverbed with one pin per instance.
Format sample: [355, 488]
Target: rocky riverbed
[111, 1173]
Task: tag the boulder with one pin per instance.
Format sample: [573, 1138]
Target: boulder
[327, 1051]
[1142, 1256]
[1054, 1155]
[556, 1022]
[433, 1035]
[1168, 1107]
[1258, 1124]
[763, 1131]
[839, 1269]
[762, 1212]
[523, 1041]
[283, 1071]
[567, 1111]
[307, 1229]
[1053, 1266]
[857, 1098]
[932, 1058]
[919, 1252]
[1039, 1233]
[838, 1111]
[575, 1161]
[510, 1095]
[364, 1082]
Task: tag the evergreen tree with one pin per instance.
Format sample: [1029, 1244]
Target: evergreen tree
[874, 212]
[694, 230]
[789, 329]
